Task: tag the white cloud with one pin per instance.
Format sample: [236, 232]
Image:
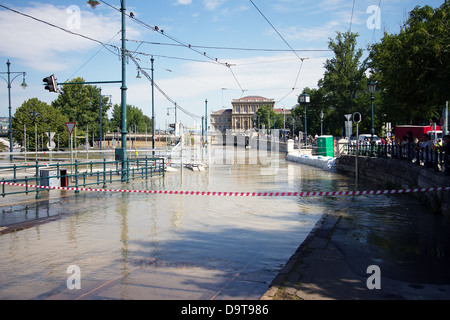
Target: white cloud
[184, 2]
[213, 4]
[42, 47]
[321, 33]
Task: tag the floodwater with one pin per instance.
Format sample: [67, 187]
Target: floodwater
[154, 246]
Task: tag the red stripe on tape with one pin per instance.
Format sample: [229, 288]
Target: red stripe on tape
[238, 194]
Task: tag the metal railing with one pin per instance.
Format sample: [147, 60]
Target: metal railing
[77, 174]
[429, 157]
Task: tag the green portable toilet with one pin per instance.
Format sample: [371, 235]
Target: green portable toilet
[325, 146]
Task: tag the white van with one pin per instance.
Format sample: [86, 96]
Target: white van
[366, 138]
[435, 135]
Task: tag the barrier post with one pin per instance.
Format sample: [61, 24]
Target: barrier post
[104, 173]
[38, 181]
[76, 177]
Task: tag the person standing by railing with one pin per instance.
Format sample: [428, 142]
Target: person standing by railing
[426, 146]
[446, 150]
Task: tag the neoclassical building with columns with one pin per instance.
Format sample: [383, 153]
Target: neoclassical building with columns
[240, 117]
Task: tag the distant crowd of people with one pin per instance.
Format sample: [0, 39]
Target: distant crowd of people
[426, 144]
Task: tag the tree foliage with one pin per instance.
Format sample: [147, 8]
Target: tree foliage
[135, 119]
[35, 114]
[81, 104]
[75, 103]
[413, 67]
[266, 116]
[342, 90]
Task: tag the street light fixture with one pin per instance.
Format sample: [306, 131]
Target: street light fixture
[138, 75]
[153, 99]
[121, 154]
[321, 123]
[255, 121]
[9, 81]
[305, 99]
[93, 3]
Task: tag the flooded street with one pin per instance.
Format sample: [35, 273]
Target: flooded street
[155, 246]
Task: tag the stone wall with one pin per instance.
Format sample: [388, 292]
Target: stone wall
[401, 174]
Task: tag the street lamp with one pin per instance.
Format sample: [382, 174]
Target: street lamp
[255, 121]
[206, 121]
[153, 102]
[93, 3]
[372, 86]
[9, 82]
[123, 88]
[305, 99]
[321, 123]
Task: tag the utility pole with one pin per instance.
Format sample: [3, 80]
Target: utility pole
[9, 82]
[206, 120]
[101, 133]
[153, 110]
[123, 89]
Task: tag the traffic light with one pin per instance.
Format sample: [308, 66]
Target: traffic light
[50, 84]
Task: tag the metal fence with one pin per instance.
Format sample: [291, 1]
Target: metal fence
[77, 174]
[429, 157]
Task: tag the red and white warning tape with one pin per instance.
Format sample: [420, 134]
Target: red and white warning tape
[239, 194]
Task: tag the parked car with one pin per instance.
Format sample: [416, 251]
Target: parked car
[365, 138]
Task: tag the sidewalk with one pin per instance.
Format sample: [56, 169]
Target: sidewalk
[332, 265]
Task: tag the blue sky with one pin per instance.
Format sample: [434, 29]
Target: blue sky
[187, 76]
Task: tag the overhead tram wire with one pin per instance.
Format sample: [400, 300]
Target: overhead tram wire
[374, 29]
[156, 29]
[232, 48]
[294, 51]
[60, 28]
[275, 29]
[91, 58]
[351, 19]
[193, 116]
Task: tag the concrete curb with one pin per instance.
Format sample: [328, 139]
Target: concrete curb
[294, 260]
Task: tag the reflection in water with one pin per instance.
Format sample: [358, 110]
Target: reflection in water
[184, 247]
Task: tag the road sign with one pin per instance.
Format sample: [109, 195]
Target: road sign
[357, 117]
[70, 126]
[348, 128]
[51, 144]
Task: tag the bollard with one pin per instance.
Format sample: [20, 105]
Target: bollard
[104, 173]
[38, 181]
[76, 177]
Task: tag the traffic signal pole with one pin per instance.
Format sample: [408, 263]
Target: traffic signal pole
[124, 88]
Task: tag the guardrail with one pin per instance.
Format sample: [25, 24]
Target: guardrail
[429, 157]
[78, 174]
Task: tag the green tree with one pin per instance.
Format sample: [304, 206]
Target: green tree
[37, 114]
[413, 67]
[81, 104]
[135, 117]
[343, 89]
[266, 116]
[313, 109]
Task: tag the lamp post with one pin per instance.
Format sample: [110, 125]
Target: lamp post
[305, 99]
[372, 86]
[255, 121]
[9, 82]
[321, 123]
[123, 88]
[168, 114]
[153, 103]
[206, 121]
